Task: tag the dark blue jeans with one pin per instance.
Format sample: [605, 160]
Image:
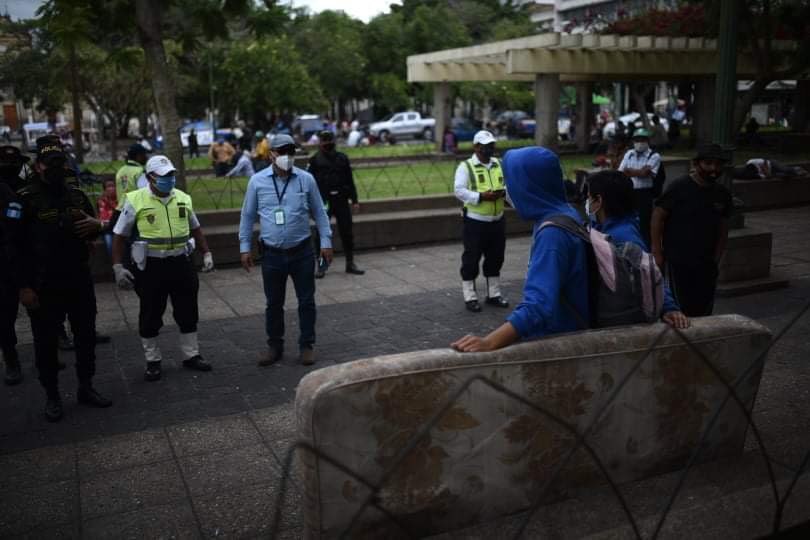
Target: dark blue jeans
[299, 265]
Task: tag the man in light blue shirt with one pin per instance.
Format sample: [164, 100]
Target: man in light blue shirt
[283, 197]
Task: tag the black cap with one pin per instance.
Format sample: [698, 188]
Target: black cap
[711, 151]
[326, 136]
[49, 149]
[12, 154]
[136, 150]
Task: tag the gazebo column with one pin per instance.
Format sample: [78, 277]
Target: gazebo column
[584, 108]
[546, 108]
[704, 110]
[441, 111]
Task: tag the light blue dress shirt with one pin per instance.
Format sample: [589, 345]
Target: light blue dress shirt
[300, 201]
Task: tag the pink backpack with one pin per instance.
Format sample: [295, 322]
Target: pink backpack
[629, 288]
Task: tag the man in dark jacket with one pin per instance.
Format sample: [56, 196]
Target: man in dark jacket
[52, 270]
[11, 163]
[333, 173]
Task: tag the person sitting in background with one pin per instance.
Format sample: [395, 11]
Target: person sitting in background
[611, 210]
[243, 167]
[107, 204]
[220, 155]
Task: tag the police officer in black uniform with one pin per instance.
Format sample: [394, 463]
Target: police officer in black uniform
[333, 173]
[53, 273]
[11, 164]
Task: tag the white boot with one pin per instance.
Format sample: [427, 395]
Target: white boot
[189, 346]
[151, 350]
[468, 288]
[494, 296]
[153, 357]
[493, 287]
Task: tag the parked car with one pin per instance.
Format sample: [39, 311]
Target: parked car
[403, 124]
[521, 125]
[307, 125]
[463, 129]
[204, 131]
[631, 118]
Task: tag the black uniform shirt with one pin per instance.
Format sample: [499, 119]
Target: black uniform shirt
[50, 251]
[333, 173]
[696, 213]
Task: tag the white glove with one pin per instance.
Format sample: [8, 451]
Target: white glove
[123, 277]
[208, 262]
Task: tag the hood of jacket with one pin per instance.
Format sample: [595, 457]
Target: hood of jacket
[534, 182]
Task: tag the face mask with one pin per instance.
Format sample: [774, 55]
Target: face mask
[284, 162]
[709, 175]
[641, 147]
[54, 176]
[165, 184]
[591, 214]
[487, 152]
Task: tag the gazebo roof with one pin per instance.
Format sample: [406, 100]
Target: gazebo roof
[579, 57]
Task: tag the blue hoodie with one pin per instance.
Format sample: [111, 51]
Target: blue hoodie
[558, 260]
[625, 229]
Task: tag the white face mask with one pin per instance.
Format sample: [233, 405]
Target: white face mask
[591, 214]
[284, 163]
[641, 147]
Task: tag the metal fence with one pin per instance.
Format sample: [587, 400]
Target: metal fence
[376, 485]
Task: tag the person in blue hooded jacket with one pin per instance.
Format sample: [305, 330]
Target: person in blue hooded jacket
[555, 296]
[611, 210]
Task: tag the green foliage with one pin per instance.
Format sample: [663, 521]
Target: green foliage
[268, 74]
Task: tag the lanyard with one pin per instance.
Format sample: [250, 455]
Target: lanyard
[283, 191]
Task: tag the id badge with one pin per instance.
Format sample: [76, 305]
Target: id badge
[279, 215]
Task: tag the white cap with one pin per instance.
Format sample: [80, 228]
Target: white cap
[483, 137]
[160, 165]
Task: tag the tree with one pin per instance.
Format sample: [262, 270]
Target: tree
[268, 75]
[68, 22]
[332, 49]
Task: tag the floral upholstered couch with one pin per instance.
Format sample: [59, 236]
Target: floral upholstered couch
[450, 439]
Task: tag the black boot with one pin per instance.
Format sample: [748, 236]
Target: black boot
[351, 268]
[13, 370]
[87, 395]
[152, 372]
[53, 406]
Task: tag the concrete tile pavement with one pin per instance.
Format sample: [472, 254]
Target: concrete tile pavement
[202, 455]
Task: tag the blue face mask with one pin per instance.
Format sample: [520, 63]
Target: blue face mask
[165, 184]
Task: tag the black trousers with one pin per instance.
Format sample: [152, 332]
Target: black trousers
[339, 207]
[9, 300]
[483, 238]
[693, 287]
[77, 300]
[172, 277]
[643, 201]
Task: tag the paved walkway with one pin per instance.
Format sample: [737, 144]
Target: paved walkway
[200, 455]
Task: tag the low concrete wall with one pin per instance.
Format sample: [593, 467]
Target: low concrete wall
[489, 455]
[747, 255]
[773, 192]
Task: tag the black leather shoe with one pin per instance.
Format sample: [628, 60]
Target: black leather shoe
[473, 306]
[87, 395]
[351, 268]
[53, 409]
[197, 362]
[497, 301]
[152, 372]
[102, 339]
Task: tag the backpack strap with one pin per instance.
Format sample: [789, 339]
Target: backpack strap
[566, 223]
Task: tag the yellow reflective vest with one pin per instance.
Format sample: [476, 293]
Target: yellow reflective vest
[165, 227]
[481, 179]
[126, 180]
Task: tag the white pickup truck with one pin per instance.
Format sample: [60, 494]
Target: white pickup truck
[403, 124]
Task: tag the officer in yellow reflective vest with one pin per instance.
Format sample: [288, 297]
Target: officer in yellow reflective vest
[165, 222]
[127, 177]
[479, 184]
